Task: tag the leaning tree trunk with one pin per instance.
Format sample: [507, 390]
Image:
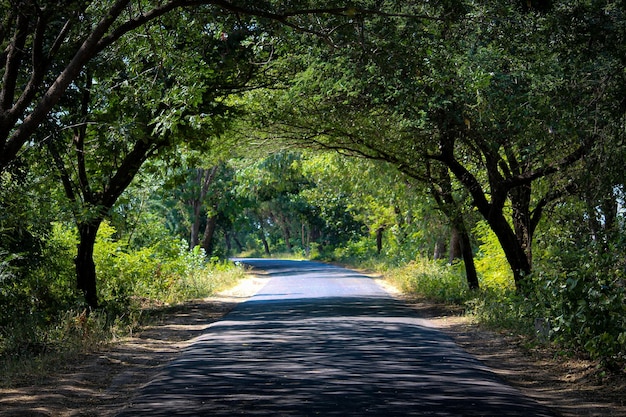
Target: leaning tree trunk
[85, 266]
[227, 242]
[515, 253]
[522, 219]
[468, 259]
[266, 245]
[440, 249]
[238, 243]
[442, 193]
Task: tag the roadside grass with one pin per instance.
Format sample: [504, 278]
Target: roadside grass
[568, 317]
[495, 305]
[30, 350]
[297, 255]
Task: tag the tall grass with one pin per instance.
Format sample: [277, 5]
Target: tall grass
[583, 311]
[432, 279]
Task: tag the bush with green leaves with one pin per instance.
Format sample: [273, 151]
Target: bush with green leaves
[35, 301]
[45, 314]
[431, 278]
[165, 271]
[587, 310]
[356, 251]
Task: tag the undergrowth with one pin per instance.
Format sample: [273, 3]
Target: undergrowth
[43, 321]
[571, 311]
[580, 310]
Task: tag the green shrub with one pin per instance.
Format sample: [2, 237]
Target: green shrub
[164, 272]
[587, 308]
[502, 309]
[44, 315]
[491, 265]
[433, 279]
[355, 251]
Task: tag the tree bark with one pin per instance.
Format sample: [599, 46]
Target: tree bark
[494, 214]
[85, 266]
[306, 239]
[513, 250]
[468, 260]
[379, 240]
[456, 252]
[227, 242]
[522, 221]
[442, 193]
[440, 249]
[237, 242]
[286, 234]
[204, 178]
[209, 234]
[266, 245]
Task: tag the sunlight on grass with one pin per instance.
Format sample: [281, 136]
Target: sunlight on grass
[432, 279]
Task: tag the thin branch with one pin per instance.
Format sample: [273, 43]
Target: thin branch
[13, 61]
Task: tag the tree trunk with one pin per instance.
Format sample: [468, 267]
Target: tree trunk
[209, 234]
[455, 246]
[238, 243]
[283, 224]
[440, 249]
[468, 259]
[266, 245]
[204, 178]
[493, 212]
[515, 253]
[194, 236]
[442, 193]
[85, 266]
[287, 237]
[227, 242]
[520, 202]
[305, 233]
[379, 239]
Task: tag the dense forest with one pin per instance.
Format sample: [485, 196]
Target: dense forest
[473, 149]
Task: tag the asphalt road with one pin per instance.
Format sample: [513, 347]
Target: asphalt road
[319, 340]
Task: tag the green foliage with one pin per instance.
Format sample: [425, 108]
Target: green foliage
[524, 107]
[491, 264]
[43, 313]
[433, 279]
[355, 252]
[165, 271]
[503, 309]
[586, 307]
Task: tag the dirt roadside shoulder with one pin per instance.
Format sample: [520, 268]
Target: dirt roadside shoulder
[104, 382]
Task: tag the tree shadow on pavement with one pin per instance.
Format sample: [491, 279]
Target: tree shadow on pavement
[332, 356]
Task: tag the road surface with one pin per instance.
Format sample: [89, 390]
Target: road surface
[320, 340]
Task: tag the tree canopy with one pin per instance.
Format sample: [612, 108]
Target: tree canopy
[377, 129]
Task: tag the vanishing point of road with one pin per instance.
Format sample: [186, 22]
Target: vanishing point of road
[319, 340]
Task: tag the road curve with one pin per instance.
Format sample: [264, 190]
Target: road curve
[320, 340]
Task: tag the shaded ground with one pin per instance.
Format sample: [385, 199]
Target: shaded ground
[102, 383]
